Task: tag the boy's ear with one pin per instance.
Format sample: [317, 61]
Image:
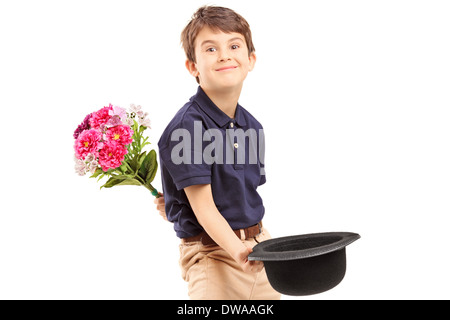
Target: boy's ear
[192, 68]
[252, 59]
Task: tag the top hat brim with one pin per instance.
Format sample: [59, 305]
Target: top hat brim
[301, 246]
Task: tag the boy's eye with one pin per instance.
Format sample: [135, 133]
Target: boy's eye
[234, 46]
[211, 49]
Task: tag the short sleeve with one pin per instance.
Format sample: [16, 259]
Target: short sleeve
[182, 155]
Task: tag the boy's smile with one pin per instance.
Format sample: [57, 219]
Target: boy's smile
[222, 60]
[226, 68]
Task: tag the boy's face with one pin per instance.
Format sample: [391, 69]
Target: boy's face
[222, 58]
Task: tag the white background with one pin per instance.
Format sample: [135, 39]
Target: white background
[354, 97]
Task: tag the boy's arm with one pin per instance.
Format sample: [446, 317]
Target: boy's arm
[202, 202]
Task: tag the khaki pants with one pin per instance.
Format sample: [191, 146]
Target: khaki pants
[212, 274]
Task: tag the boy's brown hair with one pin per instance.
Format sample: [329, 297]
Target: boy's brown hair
[216, 18]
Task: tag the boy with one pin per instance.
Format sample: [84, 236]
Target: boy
[210, 170]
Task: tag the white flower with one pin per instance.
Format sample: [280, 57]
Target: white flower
[80, 167]
[90, 157]
[134, 108]
[144, 122]
[141, 116]
[93, 166]
[129, 122]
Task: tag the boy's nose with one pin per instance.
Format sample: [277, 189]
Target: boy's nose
[224, 56]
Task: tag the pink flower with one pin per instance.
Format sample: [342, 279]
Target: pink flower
[100, 117]
[114, 121]
[118, 116]
[118, 111]
[87, 142]
[111, 155]
[121, 134]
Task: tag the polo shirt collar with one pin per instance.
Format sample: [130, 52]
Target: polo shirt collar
[217, 115]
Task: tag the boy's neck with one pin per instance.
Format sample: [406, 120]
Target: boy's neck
[225, 100]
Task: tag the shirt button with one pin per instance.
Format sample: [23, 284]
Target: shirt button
[236, 145]
[232, 124]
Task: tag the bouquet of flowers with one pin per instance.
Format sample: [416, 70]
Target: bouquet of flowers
[109, 142]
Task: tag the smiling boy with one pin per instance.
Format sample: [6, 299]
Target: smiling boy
[213, 201]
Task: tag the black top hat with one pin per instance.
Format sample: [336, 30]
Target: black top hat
[304, 264]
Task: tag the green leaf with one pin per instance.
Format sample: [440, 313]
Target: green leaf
[148, 167]
[144, 167]
[123, 168]
[129, 182]
[141, 158]
[153, 168]
[120, 181]
[112, 182]
[134, 164]
[123, 176]
[96, 173]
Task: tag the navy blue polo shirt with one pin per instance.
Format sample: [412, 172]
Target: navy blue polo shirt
[202, 145]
